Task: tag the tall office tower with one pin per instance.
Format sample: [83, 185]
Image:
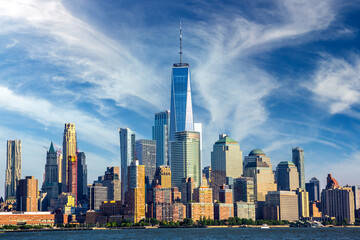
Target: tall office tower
[181, 112]
[356, 191]
[185, 158]
[255, 155]
[127, 155]
[281, 205]
[298, 160]
[163, 176]
[287, 176]
[97, 194]
[160, 133]
[313, 188]
[69, 149]
[244, 190]
[136, 191]
[51, 181]
[303, 203]
[263, 176]
[207, 171]
[27, 194]
[112, 182]
[13, 168]
[338, 201]
[81, 177]
[51, 166]
[226, 161]
[145, 151]
[72, 177]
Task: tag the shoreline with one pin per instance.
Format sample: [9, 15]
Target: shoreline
[156, 227]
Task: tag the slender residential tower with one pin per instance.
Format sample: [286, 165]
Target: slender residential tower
[181, 112]
[298, 160]
[69, 149]
[13, 168]
[127, 155]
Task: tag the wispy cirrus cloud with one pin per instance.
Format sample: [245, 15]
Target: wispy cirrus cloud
[336, 84]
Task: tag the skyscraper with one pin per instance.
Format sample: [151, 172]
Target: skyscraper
[13, 168]
[181, 112]
[72, 177]
[298, 160]
[226, 161]
[69, 149]
[338, 201]
[27, 194]
[313, 188]
[287, 176]
[264, 180]
[163, 176]
[160, 133]
[146, 154]
[112, 182]
[136, 191]
[185, 158]
[51, 185]
[127, 155]
[81, 176]
[97, 193]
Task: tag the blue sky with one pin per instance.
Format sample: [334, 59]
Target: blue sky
[271, 74]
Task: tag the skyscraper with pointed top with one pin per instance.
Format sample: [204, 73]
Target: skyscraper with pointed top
[181, 112]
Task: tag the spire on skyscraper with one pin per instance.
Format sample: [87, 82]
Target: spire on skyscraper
[180, 46]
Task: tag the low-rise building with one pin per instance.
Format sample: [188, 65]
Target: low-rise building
[26, 218]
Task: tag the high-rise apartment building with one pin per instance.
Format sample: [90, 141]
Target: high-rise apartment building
[226, 161]
[27, 194]
[356, 191]
[136, 191]
[145, 151]
[224, 209]
[287, 176]
[13, 168]
[185, 158]
[338, 201]
[298, 160]
[181, 112]
[303, 203]
[69, 149]
[127, 155]
[163, 176]
[160, 133]
[81, 177]
[313, 188]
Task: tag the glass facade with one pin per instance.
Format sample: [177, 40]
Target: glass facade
[181, 113]
[298, 160]
[127, 154]
[185, 158]
[160, 133]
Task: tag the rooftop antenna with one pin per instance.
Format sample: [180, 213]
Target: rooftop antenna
[180, 46]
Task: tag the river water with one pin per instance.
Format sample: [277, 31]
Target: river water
[194, 233]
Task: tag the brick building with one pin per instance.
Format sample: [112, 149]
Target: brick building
[26, 218]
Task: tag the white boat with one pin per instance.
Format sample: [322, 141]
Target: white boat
[264, 226]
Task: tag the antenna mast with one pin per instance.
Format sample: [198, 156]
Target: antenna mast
[180, 46]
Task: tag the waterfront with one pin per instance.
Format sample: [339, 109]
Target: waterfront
[194, 233]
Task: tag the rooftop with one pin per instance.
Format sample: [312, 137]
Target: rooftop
[256, 152]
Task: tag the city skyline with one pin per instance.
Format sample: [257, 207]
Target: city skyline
[267, 83]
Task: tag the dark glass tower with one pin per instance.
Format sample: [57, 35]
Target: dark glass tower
[82, 177]
[313, 188]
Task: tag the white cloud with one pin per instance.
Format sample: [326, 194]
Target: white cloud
[89, 128]
[113, 70]
[336, 84]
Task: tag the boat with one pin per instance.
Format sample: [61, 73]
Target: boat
[264, 226]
